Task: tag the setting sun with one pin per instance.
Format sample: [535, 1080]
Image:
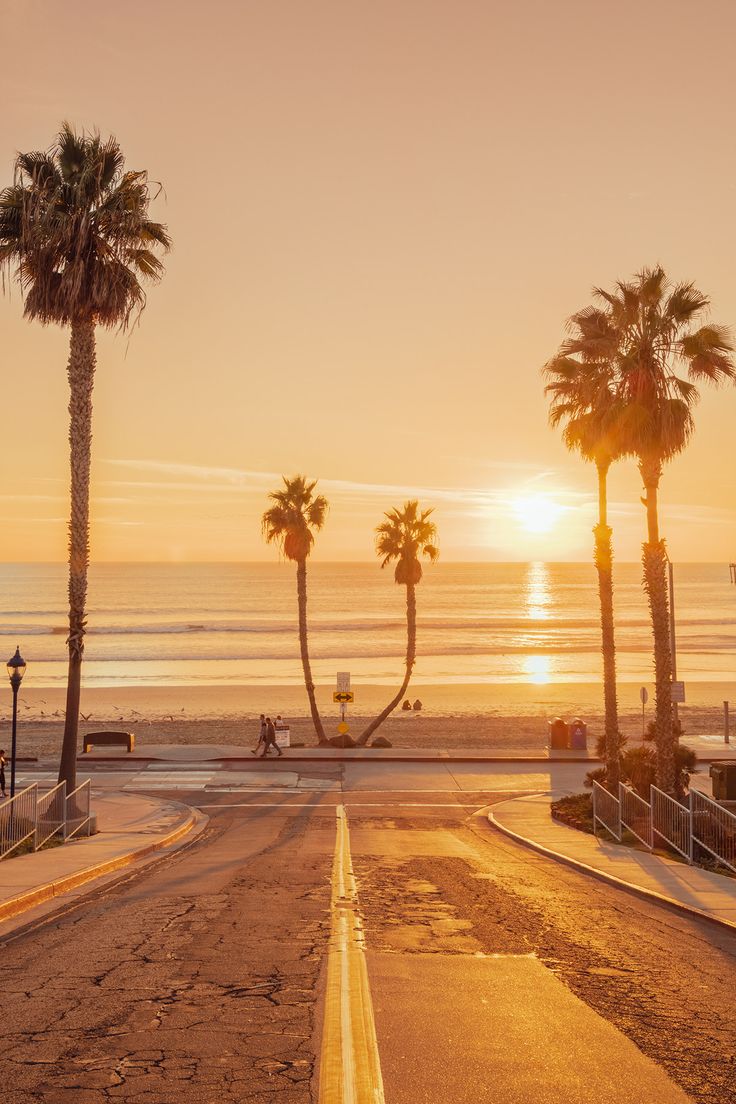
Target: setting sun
[537, 513]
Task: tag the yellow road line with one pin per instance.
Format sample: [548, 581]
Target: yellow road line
[350, 1068]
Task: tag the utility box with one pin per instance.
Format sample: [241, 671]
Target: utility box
[578, 735]
[559, 736]
[723, 776]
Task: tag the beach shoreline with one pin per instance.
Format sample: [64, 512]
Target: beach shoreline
[472, 716]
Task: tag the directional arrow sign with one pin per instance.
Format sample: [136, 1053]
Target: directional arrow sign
[343, 696]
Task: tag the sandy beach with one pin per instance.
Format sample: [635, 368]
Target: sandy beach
[469, 716]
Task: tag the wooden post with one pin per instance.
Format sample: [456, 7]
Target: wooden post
[726, 733]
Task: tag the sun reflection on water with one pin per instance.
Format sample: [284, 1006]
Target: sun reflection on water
[538, 669]
[537, 592]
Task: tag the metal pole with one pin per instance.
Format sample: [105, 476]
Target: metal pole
[673, 642]
[12, 746]
[726, 733]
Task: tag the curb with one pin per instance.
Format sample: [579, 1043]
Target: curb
[593, 872]
[376, 758]
[17, 905]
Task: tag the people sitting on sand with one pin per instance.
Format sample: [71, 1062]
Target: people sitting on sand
[417, 706]
[406, 705]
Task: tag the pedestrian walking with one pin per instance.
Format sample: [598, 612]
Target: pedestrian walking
[3, 761]
[270, 740]
[261, 735]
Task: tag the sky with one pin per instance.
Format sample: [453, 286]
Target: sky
[382, 216]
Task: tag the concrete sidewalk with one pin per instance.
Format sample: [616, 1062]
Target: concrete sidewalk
[130, 827]
[708, 748]
[528, 820]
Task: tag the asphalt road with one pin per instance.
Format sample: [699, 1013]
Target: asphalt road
[201, 977]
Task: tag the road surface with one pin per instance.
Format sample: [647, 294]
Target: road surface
[491, 972]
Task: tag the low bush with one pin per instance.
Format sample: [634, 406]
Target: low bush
[575, 810]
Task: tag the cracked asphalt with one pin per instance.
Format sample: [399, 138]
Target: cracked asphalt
[199, 977]
[195, 980]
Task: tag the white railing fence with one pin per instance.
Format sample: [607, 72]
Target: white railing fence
[714, 828]
[51, 814]
[30, 818]
[606, 811]
[636, 814]
[18, 820]
[702, 823]
[77, 811]
[672, 822]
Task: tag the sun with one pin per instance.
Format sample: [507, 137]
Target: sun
[538, 513]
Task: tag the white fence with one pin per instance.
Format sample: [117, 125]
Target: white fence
[31, 819]
[702, 823]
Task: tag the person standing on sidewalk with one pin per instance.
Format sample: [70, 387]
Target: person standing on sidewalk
[3, 761]
[261, 735]
[270, 740]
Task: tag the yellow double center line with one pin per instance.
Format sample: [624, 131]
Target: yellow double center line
[350, 1069]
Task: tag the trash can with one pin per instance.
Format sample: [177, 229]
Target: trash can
[559, 736]
[578, 735]
[723, 776]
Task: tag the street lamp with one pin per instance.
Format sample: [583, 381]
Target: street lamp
[16, 670]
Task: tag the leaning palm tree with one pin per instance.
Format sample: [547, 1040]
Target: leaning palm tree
[402, 538]
[582, 400]
[291, 522]
[662, 354]
[75, 233]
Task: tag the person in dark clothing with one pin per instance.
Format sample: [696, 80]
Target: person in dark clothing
[269, 740]
[261, 734]
[3, 761]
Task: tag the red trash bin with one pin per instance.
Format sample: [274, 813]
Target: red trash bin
[559, 736]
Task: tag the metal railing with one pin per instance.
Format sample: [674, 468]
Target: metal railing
[18, 820]
[714, 828]
[51, 814]
[672, 822]
[636, 815]
[35, 819]
[606, 811]
[78, 820]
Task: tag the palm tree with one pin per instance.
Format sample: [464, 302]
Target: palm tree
[402, 538]
[291, 522]
[581, 379]
[662, 354]
[75, 234]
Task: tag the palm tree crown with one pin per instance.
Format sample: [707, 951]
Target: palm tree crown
[582, 388]
[661, 357]
[74, 227]
[403, 537]
[296, 514]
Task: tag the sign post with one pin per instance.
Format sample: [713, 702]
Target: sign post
[343, 695]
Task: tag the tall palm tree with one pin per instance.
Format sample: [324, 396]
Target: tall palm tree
[662, 354]
[291, 522]
[75, 233]
[402, 538]
[582, 400]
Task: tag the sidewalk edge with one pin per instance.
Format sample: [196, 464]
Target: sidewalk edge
[602, 876]
[38, 896]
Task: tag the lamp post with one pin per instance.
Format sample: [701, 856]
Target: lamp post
[16, 669]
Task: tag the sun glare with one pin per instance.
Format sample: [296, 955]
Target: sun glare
[537, 513]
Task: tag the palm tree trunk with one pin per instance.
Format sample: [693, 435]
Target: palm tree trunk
[604, 566]
[81, 373]
[301, 593]
[411, 655]
[654, 559]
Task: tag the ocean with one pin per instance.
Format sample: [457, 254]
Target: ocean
[232, 624]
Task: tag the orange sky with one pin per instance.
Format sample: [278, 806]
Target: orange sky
[382, 215]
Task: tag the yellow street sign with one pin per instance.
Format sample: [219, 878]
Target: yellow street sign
[343, 696]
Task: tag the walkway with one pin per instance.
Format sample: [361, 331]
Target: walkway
[528, 820]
